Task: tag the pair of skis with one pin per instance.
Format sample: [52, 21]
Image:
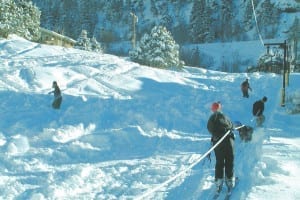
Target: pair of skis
[228, 193]
[218, 196]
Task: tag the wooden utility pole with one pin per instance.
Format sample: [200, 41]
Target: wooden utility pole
[134, 21]
[285, 68]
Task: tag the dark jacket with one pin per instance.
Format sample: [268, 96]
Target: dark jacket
[57, 93]
[258, 108]
[218, 124]
[245, 86]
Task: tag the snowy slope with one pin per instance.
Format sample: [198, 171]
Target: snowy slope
[127, 131]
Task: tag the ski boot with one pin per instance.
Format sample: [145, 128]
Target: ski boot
[219, 185]
[230, 183]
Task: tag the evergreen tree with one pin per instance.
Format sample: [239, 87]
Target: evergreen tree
[7, 15]
[200, 22]
[83, 42]
[248, 19]
[226, 19]
[194, 57]
[68, 19]
[153, 8]
[157, 49]
[21, 18]
[268, 18]
[115, 10]
[95, 45]
[87, 15]
[29, 20]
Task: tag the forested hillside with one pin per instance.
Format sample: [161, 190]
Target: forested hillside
[189, 21]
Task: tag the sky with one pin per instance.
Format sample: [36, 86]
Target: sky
[126, 131]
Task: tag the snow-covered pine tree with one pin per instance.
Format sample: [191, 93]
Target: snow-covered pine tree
[83, 42]
[87, 15]
[72, 16]
[157, 49]
[116, 8]
[19, 17]
[227, 16]
[7, 15]
[248, 19]
[87, 44]
[95, 45]
[200, 22]
[271, 62]
[268, 19]
[29, 20]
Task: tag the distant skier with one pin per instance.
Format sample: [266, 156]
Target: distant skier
[245, 86]
[218, 124]
[57, 96]
[258, 110]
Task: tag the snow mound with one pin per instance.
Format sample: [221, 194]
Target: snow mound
[18, 145]
[69, 133]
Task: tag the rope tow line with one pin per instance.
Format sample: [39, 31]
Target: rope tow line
[260, 37]
[151, 191]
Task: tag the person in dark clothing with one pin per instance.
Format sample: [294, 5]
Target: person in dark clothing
[245, 132]
[245, 86]
[57, 96]
[258, 110]
[218, 124]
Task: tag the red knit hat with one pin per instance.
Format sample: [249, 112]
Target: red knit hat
[215, 106]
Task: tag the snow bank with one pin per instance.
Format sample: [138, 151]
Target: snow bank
[18, 145]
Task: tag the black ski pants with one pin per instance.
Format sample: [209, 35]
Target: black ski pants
[56, 103]
[224, 153]
[245, 93]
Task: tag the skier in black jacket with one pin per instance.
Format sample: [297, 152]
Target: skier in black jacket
[245, 86]
[57, 96]
[258, 110]
[218, 124]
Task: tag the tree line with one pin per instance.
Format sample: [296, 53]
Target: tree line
[157, 49]
[189, 21]
[208, 21]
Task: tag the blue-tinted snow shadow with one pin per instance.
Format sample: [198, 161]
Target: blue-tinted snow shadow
[171, 105]
[114, 137]
[21, 111]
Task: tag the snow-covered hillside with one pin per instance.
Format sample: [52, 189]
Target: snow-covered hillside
[127, 131]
